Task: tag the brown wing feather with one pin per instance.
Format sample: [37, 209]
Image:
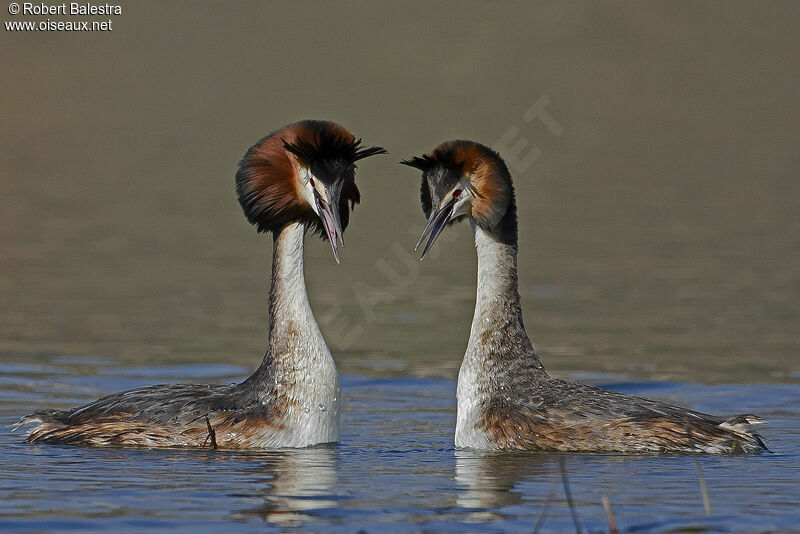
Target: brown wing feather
[575, 417]
[166, 416]
[230, 432]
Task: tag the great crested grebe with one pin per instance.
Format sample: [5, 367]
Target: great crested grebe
[297, 178]
[506, 399]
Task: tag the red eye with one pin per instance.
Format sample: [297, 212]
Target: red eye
[456, 193]
[311, 181]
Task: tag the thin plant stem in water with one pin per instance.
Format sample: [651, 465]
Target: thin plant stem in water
[568, 494]
[703, 489]
[550, 496]
[612, 524]
[700, 478]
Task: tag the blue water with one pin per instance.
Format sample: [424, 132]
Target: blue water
[395, 469]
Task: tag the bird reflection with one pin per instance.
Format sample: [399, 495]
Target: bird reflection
[488, 478]
[300, 482]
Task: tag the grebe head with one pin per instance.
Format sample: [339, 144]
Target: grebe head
[462, 179]
[304, 172]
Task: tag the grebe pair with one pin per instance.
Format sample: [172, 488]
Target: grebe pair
[301, 177]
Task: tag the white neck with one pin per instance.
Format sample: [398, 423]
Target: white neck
[289, 307]
[498, 347]
[497, 303]
[497, 271]
[298, 372]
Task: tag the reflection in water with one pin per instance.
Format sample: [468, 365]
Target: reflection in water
[300, 478]
[393, 472]
[489, 478]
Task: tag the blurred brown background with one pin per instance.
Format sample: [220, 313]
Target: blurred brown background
[659, 231]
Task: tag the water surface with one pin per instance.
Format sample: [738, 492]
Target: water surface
[395, 469]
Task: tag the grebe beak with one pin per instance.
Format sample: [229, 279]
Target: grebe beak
[329, 214]
[435, 225]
